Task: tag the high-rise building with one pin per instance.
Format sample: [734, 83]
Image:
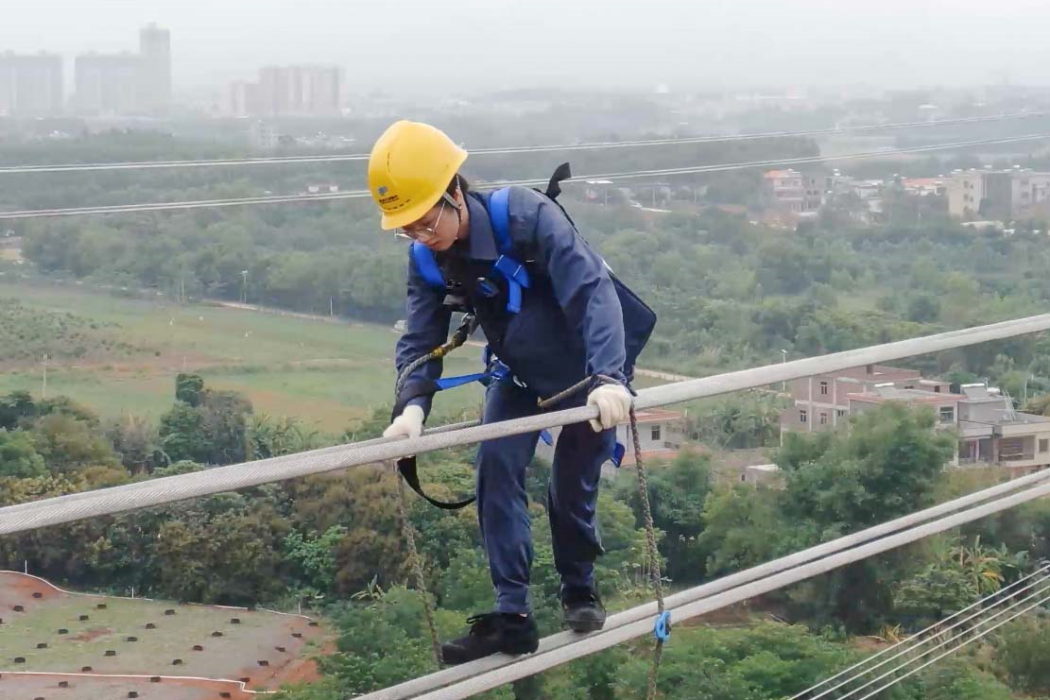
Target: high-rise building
[244, 99]
[107, 84]
[155, 69]
[289, 91]
[263, 135]
[127, 83]
[30, 85]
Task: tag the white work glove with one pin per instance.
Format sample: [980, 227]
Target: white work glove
[408, 425]
[614, 405]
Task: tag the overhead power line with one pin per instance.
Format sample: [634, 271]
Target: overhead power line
[522, 667]
[176, 206]
[118, 499]
[508, 150]
[470, 679]
[411, 688]
[899, 679]
[983, 609]
[627, 175]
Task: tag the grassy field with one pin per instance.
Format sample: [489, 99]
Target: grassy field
[327, 374]
[122, 636]
[87, 642]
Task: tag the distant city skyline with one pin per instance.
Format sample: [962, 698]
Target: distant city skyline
[123, 83]
[404, 46]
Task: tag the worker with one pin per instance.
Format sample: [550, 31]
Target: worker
[566, 326]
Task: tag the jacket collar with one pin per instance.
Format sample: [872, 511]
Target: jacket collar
[481, 240]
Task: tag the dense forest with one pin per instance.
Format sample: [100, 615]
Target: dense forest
[332, 543]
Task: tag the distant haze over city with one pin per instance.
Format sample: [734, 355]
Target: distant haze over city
[430, 47]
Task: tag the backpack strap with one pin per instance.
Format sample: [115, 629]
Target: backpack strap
[562, 172]
[427, 265]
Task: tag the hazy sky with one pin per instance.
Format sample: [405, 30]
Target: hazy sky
[631, 43]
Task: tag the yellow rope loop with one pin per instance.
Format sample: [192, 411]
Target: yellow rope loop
[416, 562]
[652, 550]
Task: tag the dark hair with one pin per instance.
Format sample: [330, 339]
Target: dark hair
[458, 181]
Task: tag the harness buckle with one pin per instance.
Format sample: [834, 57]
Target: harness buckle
[487, 287]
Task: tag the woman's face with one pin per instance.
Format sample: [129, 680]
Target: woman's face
[439, 228]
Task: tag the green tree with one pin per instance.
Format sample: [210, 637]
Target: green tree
[182, 434]
[315, 556]
[740, 422]
[137, 442]
[65, 406]
[933, 594]
[625, 560]
[923, 308]
[67, 443]
[961, 680]
[886, 466]
[676, 497]
[766, 660]
[328, 688]
[270, 437]
[214, 431]
[983, 566]
[189, 388]
[381, 643]
[18, 457]
[16, 407]
[740, 528]
[224, 419]
[223, 550]
[362, 501]
[1023, 652]
[466, 585]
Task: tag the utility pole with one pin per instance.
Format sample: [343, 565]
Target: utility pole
[244, 287]
[43, 388]
[783, 360]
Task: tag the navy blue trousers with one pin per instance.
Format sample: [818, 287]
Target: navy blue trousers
[503, 513]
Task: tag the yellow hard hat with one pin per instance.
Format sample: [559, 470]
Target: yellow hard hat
[410, 167]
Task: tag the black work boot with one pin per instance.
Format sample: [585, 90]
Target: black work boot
[583, 610]
[490, 634]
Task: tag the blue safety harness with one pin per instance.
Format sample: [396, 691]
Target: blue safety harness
[517, 278]
[506, 266]
[512, 271]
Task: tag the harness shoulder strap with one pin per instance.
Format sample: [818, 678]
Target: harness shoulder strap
[499, 216]
[427, 265]
[513, 271]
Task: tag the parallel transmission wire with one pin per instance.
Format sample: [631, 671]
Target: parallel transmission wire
[509, 150]
[916, 640]
[899, 679]
[627, 175]
[950, 640]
